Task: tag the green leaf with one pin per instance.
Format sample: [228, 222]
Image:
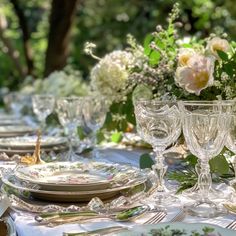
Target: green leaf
[81, 133]
[100, 136]
[222, 55]
[219, 165]
[147, 41]
[116, 137]
[191, 159]
[142, 91]
[145, 161]
[229, 69]
[154, 58]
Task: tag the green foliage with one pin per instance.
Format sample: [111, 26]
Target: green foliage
[120, 115]
[111, 21]
[145, 161]
[116, 137]
[220, 167]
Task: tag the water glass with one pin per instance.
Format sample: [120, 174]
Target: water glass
[94, 112]
[15, 102]
[69, 111]
[205, 128]
[231, 141]
[158, 123]
[43, 106]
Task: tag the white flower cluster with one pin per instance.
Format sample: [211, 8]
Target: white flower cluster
[110, 75]
[59, 84]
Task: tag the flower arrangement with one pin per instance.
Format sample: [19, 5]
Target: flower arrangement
[165, 67]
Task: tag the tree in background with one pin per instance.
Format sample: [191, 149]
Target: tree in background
[36, 35]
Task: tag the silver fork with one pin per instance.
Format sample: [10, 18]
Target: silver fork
[158, 217]
[179, 217]
[231, 225]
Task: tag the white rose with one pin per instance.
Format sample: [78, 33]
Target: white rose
[197, 75]
[217, 44]
[184, 55]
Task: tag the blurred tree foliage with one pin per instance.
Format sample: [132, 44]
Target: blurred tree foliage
[106, 23]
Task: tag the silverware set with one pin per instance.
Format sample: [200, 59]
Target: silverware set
[158, 217]
[232, 225]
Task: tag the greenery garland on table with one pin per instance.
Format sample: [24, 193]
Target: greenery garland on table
[166, 66]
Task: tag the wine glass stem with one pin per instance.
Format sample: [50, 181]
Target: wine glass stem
[43, 125]
[95, 152]
[72, 134]
[204, 181]
[160, 169]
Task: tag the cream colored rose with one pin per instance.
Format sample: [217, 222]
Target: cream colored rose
[184, 55]
[197, 75]
[217, 44]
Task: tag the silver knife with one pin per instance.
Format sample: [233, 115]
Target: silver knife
[4, 204]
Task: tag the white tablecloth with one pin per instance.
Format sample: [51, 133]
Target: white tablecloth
[26, 225]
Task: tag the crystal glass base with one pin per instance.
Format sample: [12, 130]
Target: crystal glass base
[205, 209]
[194, 193]
[162, 200]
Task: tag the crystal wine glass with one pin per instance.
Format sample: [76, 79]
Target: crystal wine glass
[43, 106]
[15, 102]
[158, 123]
[231, 141]
[94, 111]
[69, 111]
[205, 128]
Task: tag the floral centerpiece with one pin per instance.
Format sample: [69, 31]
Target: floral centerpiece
[165, 67]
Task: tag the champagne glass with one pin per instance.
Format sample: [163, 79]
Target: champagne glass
[94, 111]
[158, 123]
[205, 128]
[69, 111]
[43, 106]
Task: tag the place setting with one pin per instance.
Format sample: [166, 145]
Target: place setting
[133, 133]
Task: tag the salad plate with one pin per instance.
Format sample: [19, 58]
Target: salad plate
[180, 229]
[77, 176]
[26, 189]
[28, 142]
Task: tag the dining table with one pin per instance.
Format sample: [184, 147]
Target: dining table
[25, 224]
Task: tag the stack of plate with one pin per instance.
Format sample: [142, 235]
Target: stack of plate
[7, 119]
[15, 130]
[23, 145]
[74, 182]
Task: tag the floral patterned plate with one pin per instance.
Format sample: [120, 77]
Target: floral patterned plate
[77, 175]
[25, 189]
[180, 229]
